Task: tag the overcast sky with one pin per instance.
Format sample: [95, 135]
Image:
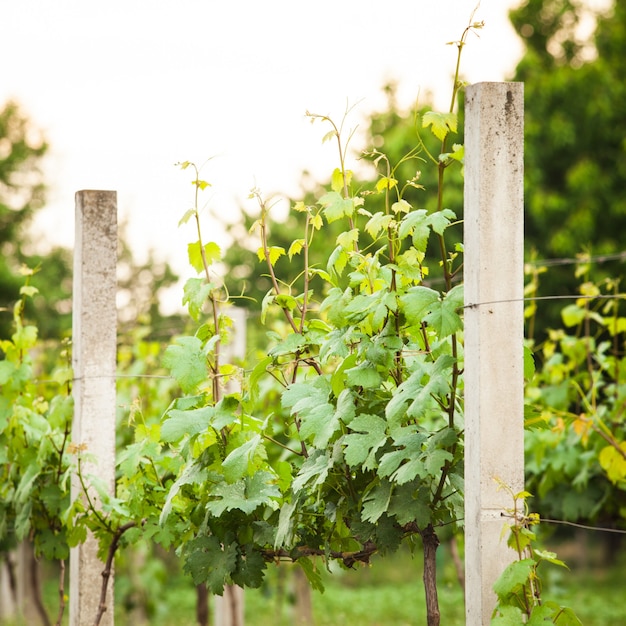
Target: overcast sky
[123, 89]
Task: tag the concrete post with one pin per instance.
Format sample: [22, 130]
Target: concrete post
[229, 608]
[494, 283]
[94, 360]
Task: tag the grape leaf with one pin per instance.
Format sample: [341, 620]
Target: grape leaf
[376, 502]
[335, 206]
[440, 123]
[196, 291]
[237, 463]
[250, 568]
[315, 467]
[245, 495]
[186, 362]
[311, 573]
[212, 253]
[507, 615]
[191, 422]
[368, 436]
[210, 562]
[418, 302]
[515, 574]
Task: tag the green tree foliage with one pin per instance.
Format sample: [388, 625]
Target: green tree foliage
[575, 129]
[22, 193]
[21, 180]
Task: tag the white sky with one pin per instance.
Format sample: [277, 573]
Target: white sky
[123, 89]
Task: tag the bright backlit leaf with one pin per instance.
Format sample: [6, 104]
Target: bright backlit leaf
[440, 123]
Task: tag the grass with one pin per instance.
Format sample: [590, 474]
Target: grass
[389, 592]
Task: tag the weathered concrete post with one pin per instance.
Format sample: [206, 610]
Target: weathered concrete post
[94, 361]
[229, 608]
[494, 330]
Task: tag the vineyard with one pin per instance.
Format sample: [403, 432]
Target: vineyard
[397, 398]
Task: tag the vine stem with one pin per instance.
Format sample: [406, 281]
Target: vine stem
[106, 573]
[61, 592]
[214, 307]
[91, 506]
[431, 543]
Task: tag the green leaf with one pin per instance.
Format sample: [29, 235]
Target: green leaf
[238, 462]
[550, 557]
[319, 423]
[315, 467]
[196, 292]
[613, 462]
[212, 253]
[192, 474]
[440, 123]
[309, 402]
[337, 261]
[311, 573]
[401, 206]
[376, 502]
[377, 223]
[335, 206]
[290, 345]
[369, 434]
[515, 574]
[572, 315]
[25, 337]
[435, 460]
[440, 220]
[457, 154]
[275, 252]
[346, 406]
[410, 505]
[529, 364]
[25, 486]
[259, 371]
[245, 495]
[507, 615]
[443, 316]
[337, 178]
[295, 248]
[417, 224]
[338, 379]
[186, 362]
[428, 380]
[6, 371]
[385, 184]
[250, 569]
[285, 526]
[363, 375]
[410, 449]
[209, 561]
[539, 615]
[130, 458]
[348, 238]
[566, 615]
[418, 302]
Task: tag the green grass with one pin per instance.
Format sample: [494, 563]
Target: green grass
[390, 592]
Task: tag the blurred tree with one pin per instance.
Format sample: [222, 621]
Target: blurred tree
[575, 132]
[21, 182]
[22, 194]
[22, 189]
